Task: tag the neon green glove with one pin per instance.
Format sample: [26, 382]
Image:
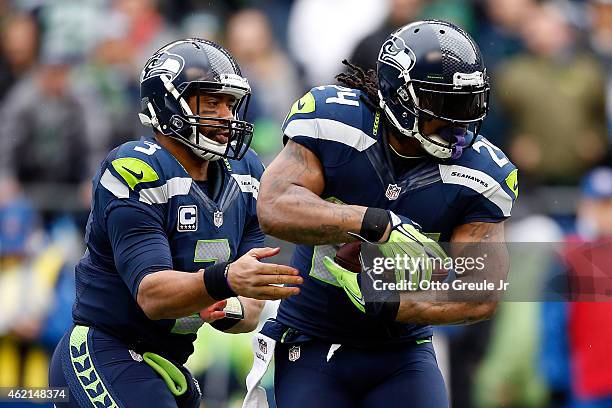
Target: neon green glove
[413, 251]
[348, 280]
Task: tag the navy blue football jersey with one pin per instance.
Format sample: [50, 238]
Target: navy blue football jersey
[347, 138]
[200, 228]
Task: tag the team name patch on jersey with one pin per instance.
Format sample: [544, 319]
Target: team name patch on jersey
[480, 182]
[247, 184]
[187, 218]
[469, 177]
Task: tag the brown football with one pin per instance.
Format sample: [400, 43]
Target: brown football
[347, 256]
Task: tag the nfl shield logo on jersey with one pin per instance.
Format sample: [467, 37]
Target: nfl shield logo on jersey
[393, 191]
[218, 218]
[294, 353]
[263, 345]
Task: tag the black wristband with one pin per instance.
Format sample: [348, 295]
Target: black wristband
[390, 307]
[234, 313]
[216, 282]
[225, 323]
[374, 224]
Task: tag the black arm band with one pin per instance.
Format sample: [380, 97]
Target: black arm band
[374, 224]
[225, 323]
[390, 308]
[216, 282]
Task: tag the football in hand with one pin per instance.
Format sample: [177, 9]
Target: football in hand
[347, 256]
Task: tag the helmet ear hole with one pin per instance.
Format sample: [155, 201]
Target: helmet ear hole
[177, 123]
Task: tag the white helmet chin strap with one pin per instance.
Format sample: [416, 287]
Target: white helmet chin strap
[431, 148]
[208, 144]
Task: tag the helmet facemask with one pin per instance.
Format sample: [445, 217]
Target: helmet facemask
[196, 130]
[464, 104]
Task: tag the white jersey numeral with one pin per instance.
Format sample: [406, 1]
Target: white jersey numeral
[212, 250]
[491, 148]
[343, 95]
[149, 151]
[342, 99]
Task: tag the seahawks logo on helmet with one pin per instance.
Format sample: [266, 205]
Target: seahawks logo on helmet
[165, 63]
[395, 52]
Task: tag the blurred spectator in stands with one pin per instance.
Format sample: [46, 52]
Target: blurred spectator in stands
[202, 24]
[43, 123]
[110, 75]
[36, 291]
[508, 375]
[579, 366]
[147, 29]
[70, 27]
[278, 12]
[44, 138]
[554, 97]
[18, 50]
[601, 44]
[459, 12]
[401, 12]
[273, 78]
[590, 321]
[499, 38]
[322, 33]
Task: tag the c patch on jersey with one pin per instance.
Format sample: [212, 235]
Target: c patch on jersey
[306, 104]
[134, 171]
[187, 218]
[512, 182]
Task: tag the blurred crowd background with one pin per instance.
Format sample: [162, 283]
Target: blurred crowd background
[69, 92]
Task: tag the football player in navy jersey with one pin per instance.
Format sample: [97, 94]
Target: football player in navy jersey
[173, 239]
[392, 157]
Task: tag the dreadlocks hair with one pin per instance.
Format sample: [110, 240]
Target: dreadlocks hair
[366, 81]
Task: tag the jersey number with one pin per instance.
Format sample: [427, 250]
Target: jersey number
[149, 150]
[212, 250]
[343, 96]
[491, 148]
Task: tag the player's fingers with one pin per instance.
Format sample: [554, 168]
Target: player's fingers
[216, 315]
[276, 269]
[271, 292]
[279, 280]
[210, 316]
[218, 305]
[266, 252]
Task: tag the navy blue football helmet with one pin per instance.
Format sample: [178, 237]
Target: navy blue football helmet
[433, 70]
[192, 67]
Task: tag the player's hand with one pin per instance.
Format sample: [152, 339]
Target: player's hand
[348, 280]
[380, 304]
[250, 278]
[214, 311]
[415, 251]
